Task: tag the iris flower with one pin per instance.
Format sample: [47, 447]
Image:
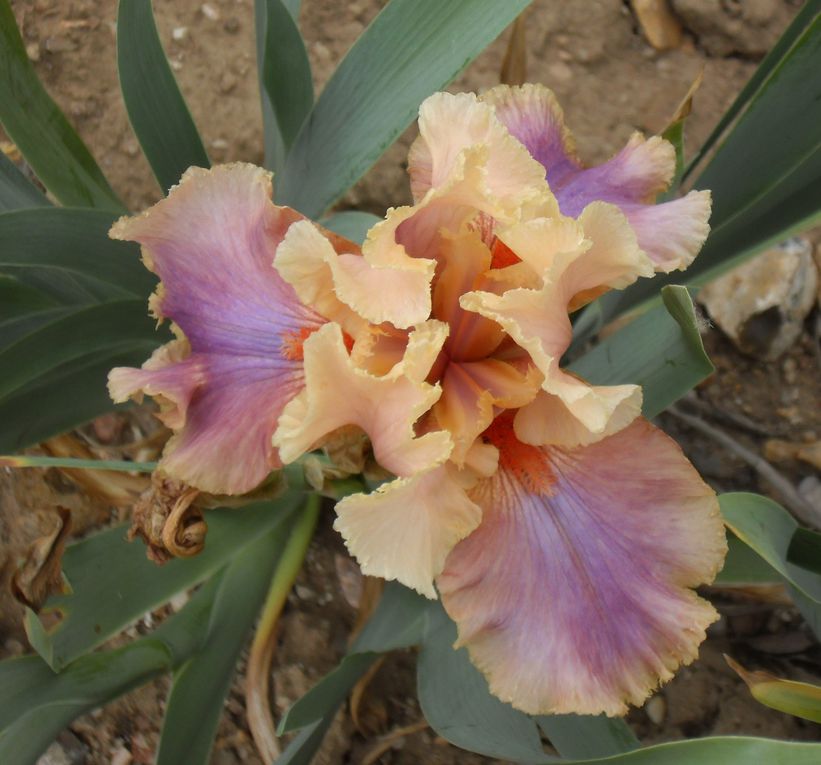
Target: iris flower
[564, 534]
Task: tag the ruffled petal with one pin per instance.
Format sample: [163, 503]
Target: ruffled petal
[538, 322]
[670, 233]
[574, 594]
[463, 165]
[308, 260]
[533, 116]
[212, 242]
[406, 528]
[338, 393]
[449, 125]
[548, 420]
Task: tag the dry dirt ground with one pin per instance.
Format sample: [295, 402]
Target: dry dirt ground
[610, 82]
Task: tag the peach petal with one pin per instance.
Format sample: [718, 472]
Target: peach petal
[405, 529]
[538, 322]
[577, 597]
[339, 393]
[549, 420]
[308, 261]
[451, 124]
[223, 384]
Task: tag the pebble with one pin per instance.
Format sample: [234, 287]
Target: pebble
[121, 756]
[322, 51]
[761, 304]
[656, 709]
[304, 593]
[13, 647]
[54, 755]
[790, 370]
[210, 12]
[33, 51]
[58, 44]
[560, 72]
[179, 33]
[227, 82]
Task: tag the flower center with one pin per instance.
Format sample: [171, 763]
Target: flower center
[529, 464]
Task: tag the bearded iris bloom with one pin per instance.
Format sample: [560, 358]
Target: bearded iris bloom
[563, 532]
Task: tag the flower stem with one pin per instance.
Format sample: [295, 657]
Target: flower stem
[258, 675]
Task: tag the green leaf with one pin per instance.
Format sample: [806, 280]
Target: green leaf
[113, 583]
[456, 702]
[35, 460]
[305, 744]
[352, 224]
[66, 397]
[38, 704]
[201, 684]
[74, 243]
[272, 139]
[719, 750]
[16, 190]
[805, 550]
[743, 565]
[660, 350]
[397, 623]
[285, 75]
[802, 20]
[156, 109]
[794, 698]
[40, 130]
[87, 330]
[675, 135]
[585, 736]
[18, 298]
[768, 529]
[412, 49]
[766, 177]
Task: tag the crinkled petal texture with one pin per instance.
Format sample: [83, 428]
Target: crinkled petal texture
[574, 593]
[212, 242]
[464, 164]
[406, 528]
[671, 233]
[569, 259]
[338, 393]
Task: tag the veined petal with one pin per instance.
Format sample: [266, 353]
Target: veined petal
[213, 241]
[339, 393]
[533, 116]
[473, 392]
[574, 593]
[168, 375]
[671, 233]
[405, 529]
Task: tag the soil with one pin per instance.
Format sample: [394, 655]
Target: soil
[610, 83]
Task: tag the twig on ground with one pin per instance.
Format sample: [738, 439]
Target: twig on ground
[389, 739]
[794, 502]
[731, 418]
